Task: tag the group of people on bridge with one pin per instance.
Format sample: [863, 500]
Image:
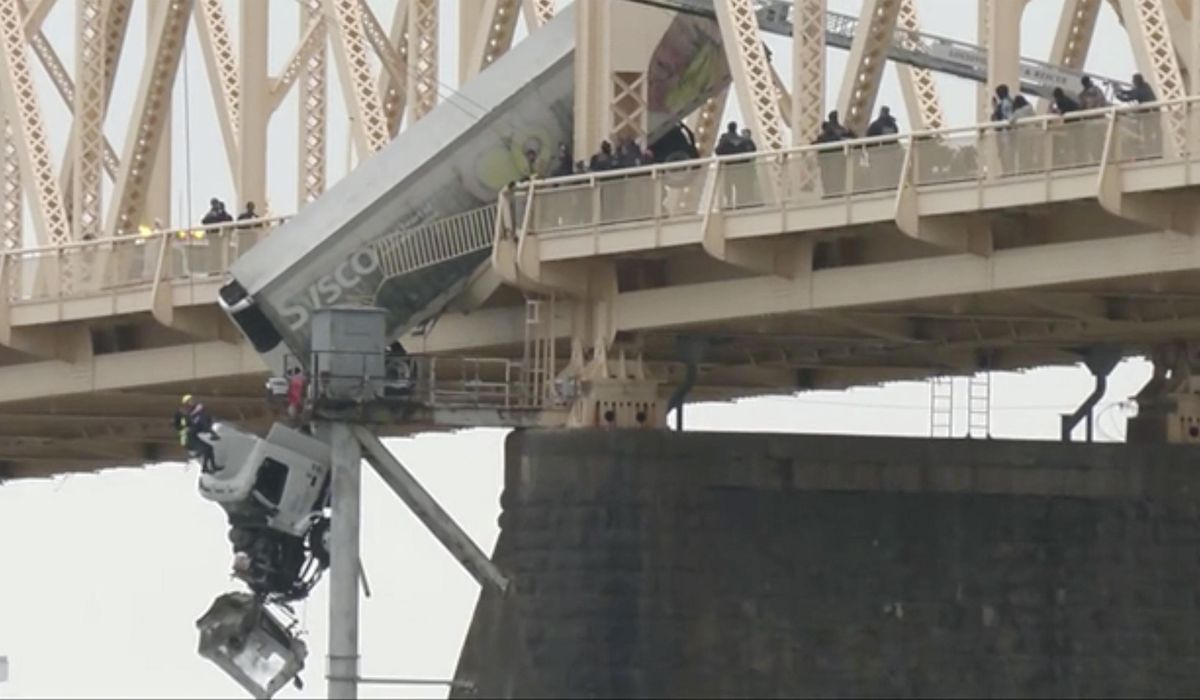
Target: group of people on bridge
[877, 164]
[217, 214]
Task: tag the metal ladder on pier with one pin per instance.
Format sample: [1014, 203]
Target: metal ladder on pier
[944, 407]
[539, 365]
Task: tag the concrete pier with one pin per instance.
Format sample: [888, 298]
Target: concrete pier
[700, 564]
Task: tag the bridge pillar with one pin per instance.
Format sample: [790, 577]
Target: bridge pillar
[342, 668]
[1004, 45]
[664, 564]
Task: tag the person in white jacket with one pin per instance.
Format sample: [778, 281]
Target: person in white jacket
[1028, 154]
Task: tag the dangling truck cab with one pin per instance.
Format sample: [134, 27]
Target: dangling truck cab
[275, 492]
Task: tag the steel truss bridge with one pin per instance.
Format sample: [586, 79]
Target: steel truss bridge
[947, 251]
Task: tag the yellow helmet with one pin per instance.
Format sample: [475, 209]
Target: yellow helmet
[187, 398]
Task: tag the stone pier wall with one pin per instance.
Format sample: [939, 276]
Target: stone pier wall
[734, 565]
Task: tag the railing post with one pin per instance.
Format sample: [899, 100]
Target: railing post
[1193, 126]
[914, 165]
[596, 200]
[848, 174]
[1048, 148]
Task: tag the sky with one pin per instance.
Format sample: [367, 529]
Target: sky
[106, 574]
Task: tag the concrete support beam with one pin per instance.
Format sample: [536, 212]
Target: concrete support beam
[253, 104]
[1004, 44]
[593, 84]
[343, 667]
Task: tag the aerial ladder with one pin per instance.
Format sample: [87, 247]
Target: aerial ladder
[919, 49]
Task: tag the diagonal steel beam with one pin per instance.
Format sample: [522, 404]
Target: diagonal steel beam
[88, 131]
[313, 106]
[18, 94]
[220, 59]
[422, 57]
[751, 71]
[868, 56]
[369, 126]
[394, 93]
[918, 85]
[151, 107]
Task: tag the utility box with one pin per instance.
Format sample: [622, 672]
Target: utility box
[348, 346]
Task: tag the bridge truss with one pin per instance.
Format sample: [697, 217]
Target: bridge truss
[111, 176]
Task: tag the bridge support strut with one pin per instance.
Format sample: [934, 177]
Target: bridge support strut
[342, 668]
[1100, 361]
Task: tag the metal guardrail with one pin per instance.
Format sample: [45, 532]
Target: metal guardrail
[118, 263]
[449, 382]
[816, 175]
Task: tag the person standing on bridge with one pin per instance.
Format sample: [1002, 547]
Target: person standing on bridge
[248, 215]
[1149, 129]
[748, 171]
[1002, 111]
[297, 383]
[1091, 97]
[1028, 137]
[884, 158]
[1068, 147]
[728, 144]
[196, 422]
[216, 214]
[832, 162]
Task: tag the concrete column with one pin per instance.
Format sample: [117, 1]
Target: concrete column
[253, 110]
[1004, 45]
[342, 669]
[982, 90]
[593, 77]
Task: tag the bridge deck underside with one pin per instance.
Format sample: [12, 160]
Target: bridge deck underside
[120, 428]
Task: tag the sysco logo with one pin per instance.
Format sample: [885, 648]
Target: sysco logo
[330, 288]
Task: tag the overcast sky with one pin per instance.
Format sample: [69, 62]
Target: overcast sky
[105, 574]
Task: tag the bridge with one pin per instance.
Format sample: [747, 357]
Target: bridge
[603, 301]
[951, 251]
[107, 320]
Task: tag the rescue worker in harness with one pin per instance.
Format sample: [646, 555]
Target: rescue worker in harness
[191, 421]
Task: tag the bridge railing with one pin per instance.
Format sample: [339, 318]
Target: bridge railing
[819, 175]
[115, 264]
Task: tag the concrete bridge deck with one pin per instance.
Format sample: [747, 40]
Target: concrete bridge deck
[866, 261]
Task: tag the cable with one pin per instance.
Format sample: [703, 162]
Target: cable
[187, 136]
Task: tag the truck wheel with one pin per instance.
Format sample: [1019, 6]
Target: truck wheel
[318, 541]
